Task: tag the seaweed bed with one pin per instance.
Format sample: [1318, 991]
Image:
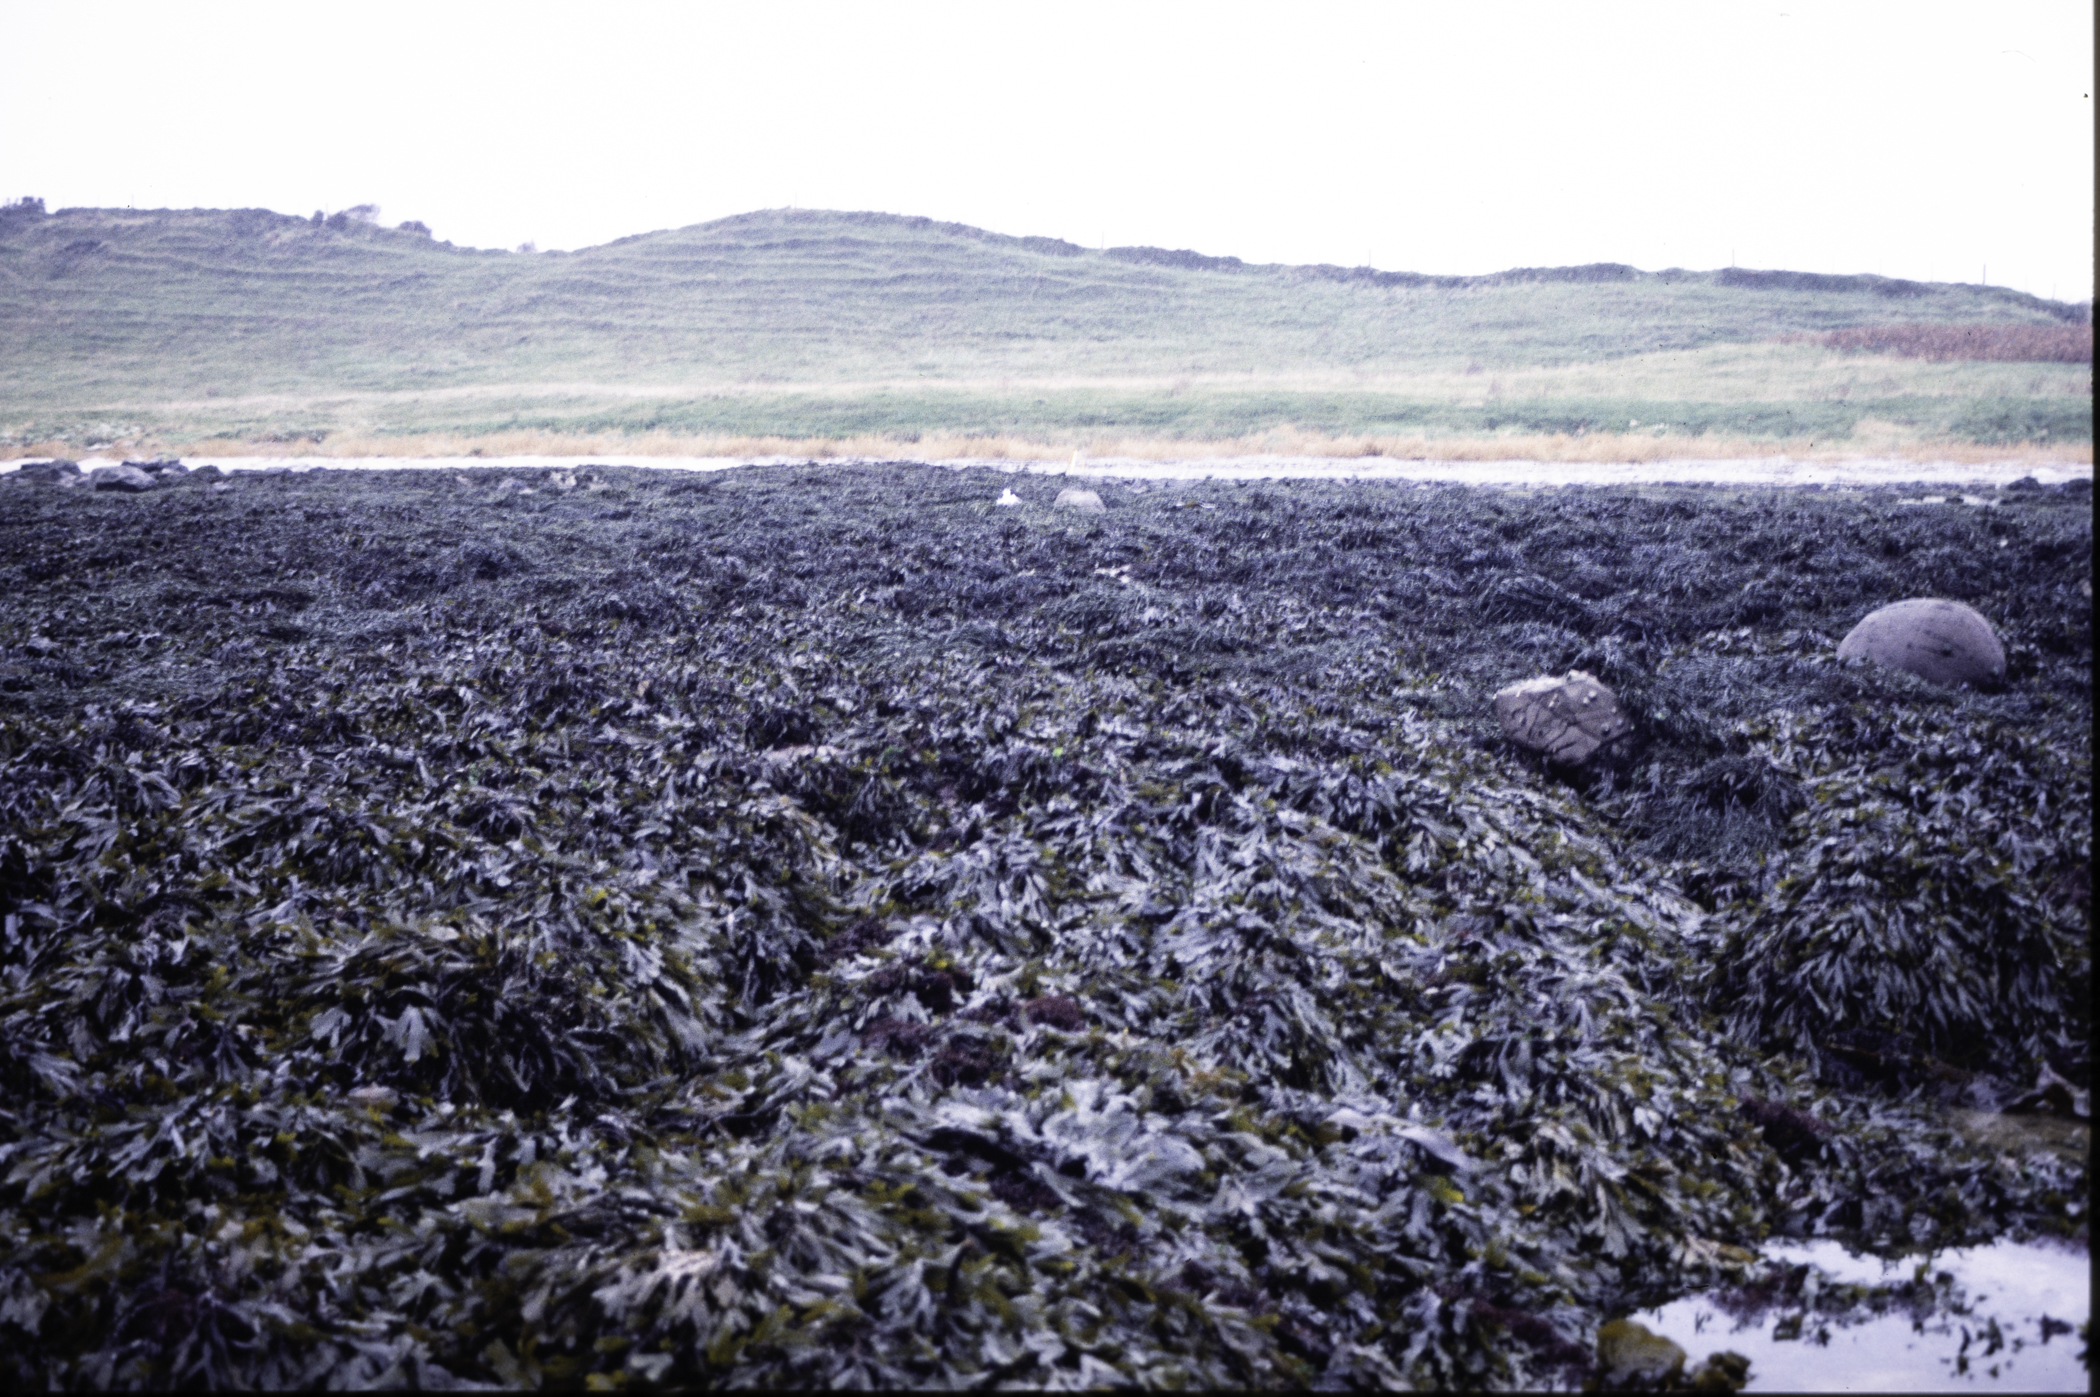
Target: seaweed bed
[809, 925]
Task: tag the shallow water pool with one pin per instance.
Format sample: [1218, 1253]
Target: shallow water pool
[2004, 1318]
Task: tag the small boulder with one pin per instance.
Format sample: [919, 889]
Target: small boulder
[1630, 1355]
[1074, 498]
[161, 468]
[1942, 642]
[49, 472]
[129, 480]
[1726, 1371]
[1570, 720]
[203, 473]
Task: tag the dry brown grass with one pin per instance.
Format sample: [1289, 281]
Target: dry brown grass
[1594, 447]
[2037, 344]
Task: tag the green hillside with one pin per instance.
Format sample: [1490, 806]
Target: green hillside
[189, 324]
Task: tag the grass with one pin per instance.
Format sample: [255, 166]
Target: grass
[2063, 344]
[1881, 440]
[1869, 437]
[188, 327]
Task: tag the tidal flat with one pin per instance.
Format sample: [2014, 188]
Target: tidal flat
[815, 925]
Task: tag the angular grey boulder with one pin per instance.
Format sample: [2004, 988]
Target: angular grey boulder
[128, 479]
[1942, 642]
[1572, 720]
[161, 468]
[1075, 498]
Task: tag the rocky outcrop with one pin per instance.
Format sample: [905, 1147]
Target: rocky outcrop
[1573, 720]
[1942, 642]
[49, 472]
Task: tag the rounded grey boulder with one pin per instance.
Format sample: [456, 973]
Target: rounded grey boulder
[1942, 642]
[1076, 498]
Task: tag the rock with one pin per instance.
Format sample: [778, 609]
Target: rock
[1942, 642]
[1007, 499]
[1570, 720]
[1726, 1371]
[161, 468]
[128, 479]
[205, 472]
[49, 472]
[1079, 499]
[562, 481]
[2070, 1140]
[1630, 1355]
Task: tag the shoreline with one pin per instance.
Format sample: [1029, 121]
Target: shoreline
[1779, 470]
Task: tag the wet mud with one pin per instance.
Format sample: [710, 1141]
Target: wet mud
[817, 925]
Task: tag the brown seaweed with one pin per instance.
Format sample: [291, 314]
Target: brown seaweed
[811, 926]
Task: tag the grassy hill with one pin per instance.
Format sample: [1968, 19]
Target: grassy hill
[246, 325]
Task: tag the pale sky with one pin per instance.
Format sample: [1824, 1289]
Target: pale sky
[1929, 140]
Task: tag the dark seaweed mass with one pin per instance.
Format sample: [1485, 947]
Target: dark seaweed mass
[812, 926]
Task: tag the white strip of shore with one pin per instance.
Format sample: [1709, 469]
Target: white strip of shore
[1844, 472]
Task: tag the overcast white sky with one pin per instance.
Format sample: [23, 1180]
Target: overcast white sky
[1913, 139]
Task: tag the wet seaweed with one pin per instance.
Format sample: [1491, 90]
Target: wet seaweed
[813, 926]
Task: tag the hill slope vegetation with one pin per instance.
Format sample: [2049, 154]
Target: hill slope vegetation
[793, 322]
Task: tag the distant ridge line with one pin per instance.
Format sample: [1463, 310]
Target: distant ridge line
[254, 221]
[1187, 259]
